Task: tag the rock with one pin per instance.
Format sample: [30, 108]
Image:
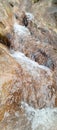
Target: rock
[5, 17]
[43, 17]
[22, 80]
[14, 122]
[38, 50]
[28, 87]
[10, 15]
[26, 5]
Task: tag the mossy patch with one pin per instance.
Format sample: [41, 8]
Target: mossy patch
[35, 1]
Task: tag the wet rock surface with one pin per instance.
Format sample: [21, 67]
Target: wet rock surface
[20, 81]
[28, 65]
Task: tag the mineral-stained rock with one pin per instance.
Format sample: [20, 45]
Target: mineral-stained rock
[24, 80]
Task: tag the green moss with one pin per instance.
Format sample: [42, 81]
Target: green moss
[54, 2]
[35, 1]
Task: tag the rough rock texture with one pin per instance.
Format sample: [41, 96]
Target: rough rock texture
[24, 81]
[28, 65]
[31, 120]
[47, 14]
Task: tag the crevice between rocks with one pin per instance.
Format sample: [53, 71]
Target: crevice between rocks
[5, 40]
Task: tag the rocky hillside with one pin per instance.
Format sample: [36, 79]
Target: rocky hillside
[28, 65]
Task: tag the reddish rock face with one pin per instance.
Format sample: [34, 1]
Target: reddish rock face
[28, 87]
[24, 80]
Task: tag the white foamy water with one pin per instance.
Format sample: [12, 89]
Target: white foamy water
[29, 16]
[41, 119]
[21, 30]
[31, 119]
[27, 61]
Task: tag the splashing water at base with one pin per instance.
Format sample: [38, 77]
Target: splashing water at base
[21, 30]
[30, 119]
[41, 119]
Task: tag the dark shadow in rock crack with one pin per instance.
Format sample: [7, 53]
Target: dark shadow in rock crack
[5, 39]
[42, 58]
[25, 21]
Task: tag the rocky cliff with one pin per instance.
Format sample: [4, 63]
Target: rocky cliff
[28, 65]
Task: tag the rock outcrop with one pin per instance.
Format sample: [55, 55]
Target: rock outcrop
[28, 64]
[24, 80]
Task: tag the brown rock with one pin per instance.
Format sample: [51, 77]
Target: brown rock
[25, 81]
[45, 15]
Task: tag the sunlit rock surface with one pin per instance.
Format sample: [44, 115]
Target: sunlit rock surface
[46, 13]
[28, 65]
[24, 80]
